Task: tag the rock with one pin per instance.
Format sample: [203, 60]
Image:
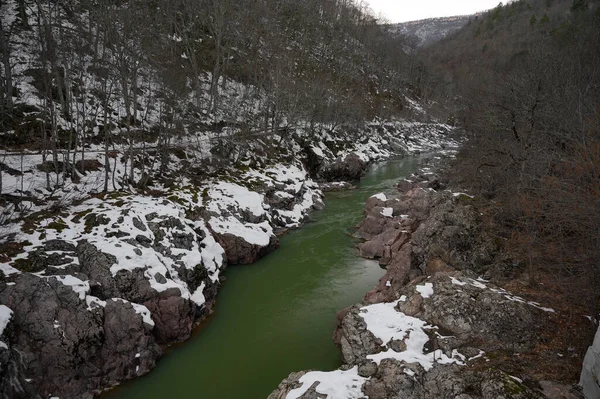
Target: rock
[96, 265]
[474, 314]
[173, 316]
[367, 369]
[59, 245]
[336, 186]
[143, 240]
[444, 381]
[133, 286]
[392, 239]
[137, 223]
[553, 390]
[240, 252]
[347, 168]
[102, 343]
[355, 341]
[288, 384]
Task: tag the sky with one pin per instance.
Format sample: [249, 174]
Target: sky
[410, 10]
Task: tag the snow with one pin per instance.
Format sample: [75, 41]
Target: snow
[318, 151]
[94, 302]
[380, 196]
[479, 283]
[139, 309]
[337, 384]
[520, 381]
[256, 234]
[80, 287]
[387, 212]
[426, 290]
[462, 194]
[198, 296]
[387, 324]
[224, 195]
[5, 316]
[457, 282]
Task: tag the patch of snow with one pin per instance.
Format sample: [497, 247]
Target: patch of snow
[198, 295]
[252, 233]
[387, 324]
[426, 290]
[387, 212]
[94, 302]
[5, 316]
[139, 309]
[80, 287]
[478, 284]
[380, 196]
[318, 152]
[477, 356]
[456, 281]
[459, 194]
[335, 384]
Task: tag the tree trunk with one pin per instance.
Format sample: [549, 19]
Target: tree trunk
[23, 14]
[8, 83]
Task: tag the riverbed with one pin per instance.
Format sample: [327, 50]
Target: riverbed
[278, 314]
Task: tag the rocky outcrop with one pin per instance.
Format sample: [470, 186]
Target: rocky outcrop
[348, 167]
[434, 324]
[241, 252]
[118, 279]
[391, 380]
[77, 350]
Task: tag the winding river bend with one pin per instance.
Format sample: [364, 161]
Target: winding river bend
[277, 315]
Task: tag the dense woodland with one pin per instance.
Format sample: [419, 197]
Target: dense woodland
[524, 81]
[124, 72]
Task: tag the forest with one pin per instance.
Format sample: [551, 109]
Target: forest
[524, 81]
[123, 73]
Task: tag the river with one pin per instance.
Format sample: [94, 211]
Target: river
[277, 315]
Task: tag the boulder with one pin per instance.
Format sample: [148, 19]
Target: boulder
[347, 168]
[241, 252]
[66, 350]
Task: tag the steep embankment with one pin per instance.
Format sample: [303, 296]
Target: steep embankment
[107, 282]
[439, 323]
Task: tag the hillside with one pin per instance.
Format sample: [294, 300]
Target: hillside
[523, 80]
[431, 30]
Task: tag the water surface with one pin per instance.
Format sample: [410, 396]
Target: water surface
[277, 315]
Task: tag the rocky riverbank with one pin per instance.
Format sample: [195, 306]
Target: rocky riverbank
[439, 323]
[94, 289]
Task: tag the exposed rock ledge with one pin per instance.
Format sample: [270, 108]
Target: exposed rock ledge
[435, 324]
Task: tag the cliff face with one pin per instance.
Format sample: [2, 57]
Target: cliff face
[428, 31]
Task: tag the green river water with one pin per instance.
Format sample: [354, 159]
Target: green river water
[278, 314]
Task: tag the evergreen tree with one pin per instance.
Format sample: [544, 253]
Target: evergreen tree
[579, 5]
